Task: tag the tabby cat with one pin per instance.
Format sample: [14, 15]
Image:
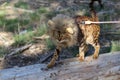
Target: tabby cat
[66, 31]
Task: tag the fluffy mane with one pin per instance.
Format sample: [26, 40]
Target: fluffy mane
[62, 23]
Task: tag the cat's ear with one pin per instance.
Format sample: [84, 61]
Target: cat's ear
[69, 30]
[51, 23]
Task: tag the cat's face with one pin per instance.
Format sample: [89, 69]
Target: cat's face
[61, 34]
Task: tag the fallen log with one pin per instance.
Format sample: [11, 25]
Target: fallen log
[106, 67]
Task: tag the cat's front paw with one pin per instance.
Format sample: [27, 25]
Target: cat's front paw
[50, 65]
[81, 58]
[95, 56]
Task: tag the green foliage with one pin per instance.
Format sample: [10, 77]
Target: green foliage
[12, 25]
[115, 46]
[15, 25]
[38, 13]
[2, 13]
[2, 21]
[42, 10]
[35, 16]
[41, 30]
[21, 39]
[22, 4]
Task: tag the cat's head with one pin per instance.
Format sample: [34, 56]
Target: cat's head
[62, 30]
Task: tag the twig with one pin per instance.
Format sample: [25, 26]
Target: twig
[46, 57]
[45, 36]
[21, 49]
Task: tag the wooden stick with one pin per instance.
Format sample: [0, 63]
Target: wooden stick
[45, 36]
[21, 49]
[46, 57]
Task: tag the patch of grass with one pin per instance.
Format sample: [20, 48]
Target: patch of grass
[21, 4]
[38, 13]
[35, 16]
[115, 46]
[42, 10]
[14, 24]
[2, 13]
[11, 25]
[41, 30]
[21, 39]
[2, 21]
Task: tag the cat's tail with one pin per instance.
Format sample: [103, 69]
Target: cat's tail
[94, 15]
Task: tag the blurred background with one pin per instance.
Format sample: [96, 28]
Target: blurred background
[23, 29]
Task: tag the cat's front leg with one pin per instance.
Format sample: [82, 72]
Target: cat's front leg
[54, 58]
[82, 50]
